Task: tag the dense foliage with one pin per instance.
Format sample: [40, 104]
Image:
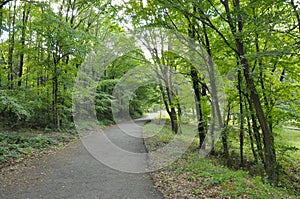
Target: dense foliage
[254, 44]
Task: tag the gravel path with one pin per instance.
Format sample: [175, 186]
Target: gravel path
[72, 172]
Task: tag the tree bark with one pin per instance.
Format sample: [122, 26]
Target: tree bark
[11, 49]
[269, 149]
[256, 132]
[215, 98]
[25, 17]
[241, 118]
[251, 134]
[196, 87]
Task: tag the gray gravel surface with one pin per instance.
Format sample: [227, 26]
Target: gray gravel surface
[71, 172]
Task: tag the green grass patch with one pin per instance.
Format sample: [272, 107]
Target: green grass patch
[291, 139]
[288, 155]
[157, 136]
[287, 143]
[228, 183]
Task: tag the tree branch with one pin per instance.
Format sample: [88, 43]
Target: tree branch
[3, 3]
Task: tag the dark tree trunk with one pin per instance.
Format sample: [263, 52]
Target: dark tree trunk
[55, 89]
[269, 149]
[11, 49]
[251, 135]
[241, 118]
[179, 114]
[196, 87]
[257, 135]
[270, 156]
[55, 98]
[25, 16]
[168, 103]
[174, 120]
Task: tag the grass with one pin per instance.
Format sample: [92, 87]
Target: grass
[222, 181]
[194, 177]
[287, 143]
[289, 138]
[288, 155]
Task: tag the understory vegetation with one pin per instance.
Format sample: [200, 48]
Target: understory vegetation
[15, 146]
[193, 177]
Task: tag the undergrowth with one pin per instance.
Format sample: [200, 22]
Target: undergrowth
[18, 145]
[205, 177]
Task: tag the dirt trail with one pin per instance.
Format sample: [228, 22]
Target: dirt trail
[72, 172]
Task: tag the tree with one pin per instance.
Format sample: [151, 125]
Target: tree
[43, 50]
[247, 35]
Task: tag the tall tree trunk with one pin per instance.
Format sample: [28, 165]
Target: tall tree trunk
[179, 113]
[55, 89]
[11, 48]
[269, 149]
[171, 96]
[196, 87]
[262, 83]
[257, 135]
[250, 134]
[55, 98]
[167, 97]
[241, 118]
[165, 77]
[174, 120]
[215, 98]
[25, 16]
[226, 129]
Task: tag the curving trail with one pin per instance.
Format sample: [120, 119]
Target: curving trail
[71, 172]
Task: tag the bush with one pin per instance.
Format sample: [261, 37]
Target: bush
[11, 110]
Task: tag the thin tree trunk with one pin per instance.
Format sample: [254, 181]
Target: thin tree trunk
[11, 49]
[196, 87]
[269, 149]
[25, 16]
[226, 125]
[215, 98]
[256, 131]
[55, 99]
[270, 155]
[251, 135]
[262, 84]
[241, 118]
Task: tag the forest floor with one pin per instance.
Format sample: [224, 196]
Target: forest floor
[71, 172]
[193, 177]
